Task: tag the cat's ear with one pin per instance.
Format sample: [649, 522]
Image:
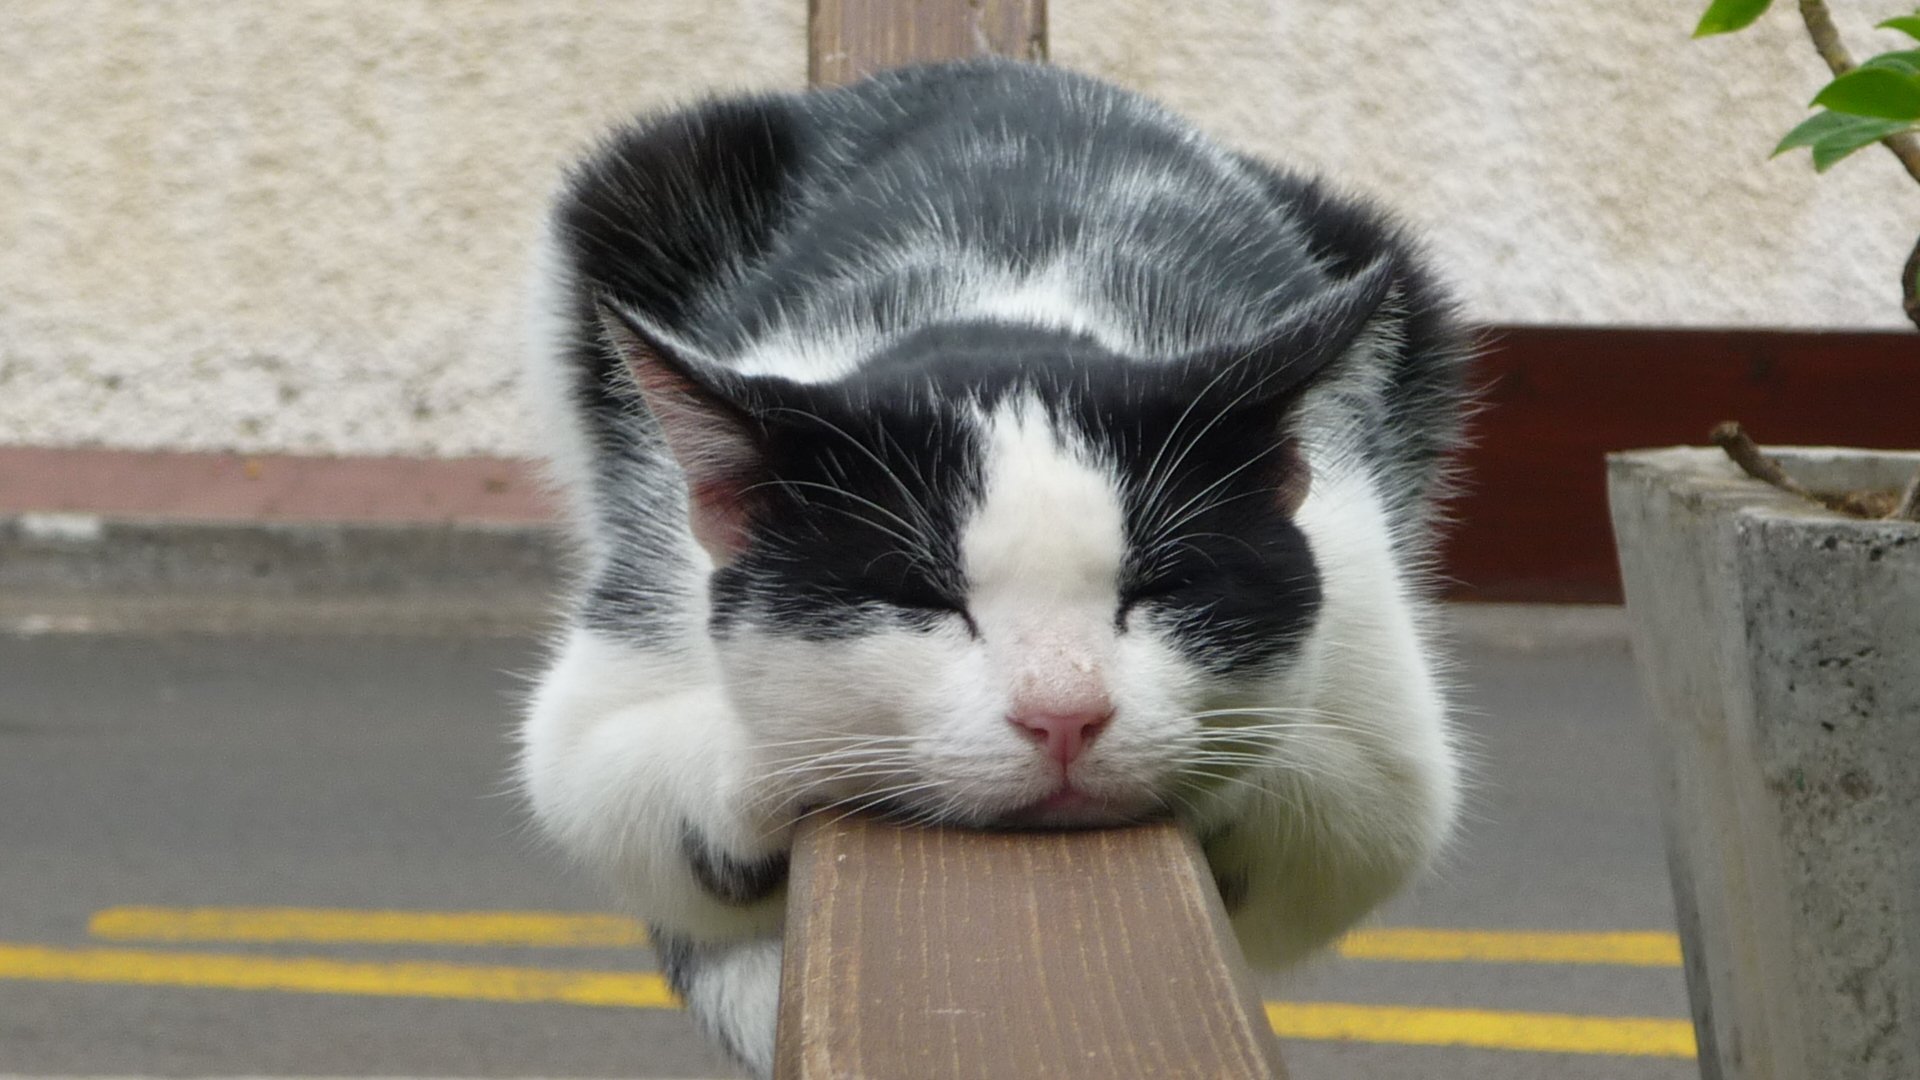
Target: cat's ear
[1304, 348]
[705, 422]
[1310, 339]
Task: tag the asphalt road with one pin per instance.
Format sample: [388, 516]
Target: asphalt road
[337, 772]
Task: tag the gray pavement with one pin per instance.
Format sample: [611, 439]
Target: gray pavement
[369, 771]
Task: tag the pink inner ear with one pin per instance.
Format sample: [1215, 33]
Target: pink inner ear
[717, 457]
[717, 515]
[719, 462]
[1295, 477]
[706, 435]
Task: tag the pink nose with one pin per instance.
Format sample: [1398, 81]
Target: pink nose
[1065, 735]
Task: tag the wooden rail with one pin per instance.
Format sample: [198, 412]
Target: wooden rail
[848, 39]
[922, 954]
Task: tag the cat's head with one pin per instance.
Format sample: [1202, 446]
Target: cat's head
[1001, 576]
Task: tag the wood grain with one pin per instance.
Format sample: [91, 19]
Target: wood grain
[850, 39]
[921, 954]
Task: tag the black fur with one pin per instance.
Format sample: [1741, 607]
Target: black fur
[729, 880]
[747, 217]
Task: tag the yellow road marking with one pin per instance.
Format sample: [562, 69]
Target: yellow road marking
[313, 975]
[268, 924]
[1634, 948]
[1484, 1029]
[646, 990]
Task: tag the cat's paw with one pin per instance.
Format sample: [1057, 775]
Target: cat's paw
[729, 874]
[732, 988]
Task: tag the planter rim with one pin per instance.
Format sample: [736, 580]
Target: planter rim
[1705, 475]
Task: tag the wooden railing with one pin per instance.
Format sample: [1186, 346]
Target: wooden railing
[919, 954]
[847, 39]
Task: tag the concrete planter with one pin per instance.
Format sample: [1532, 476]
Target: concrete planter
[1781, 646]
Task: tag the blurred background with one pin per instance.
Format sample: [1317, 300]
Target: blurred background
[302, 226]
[271, 561]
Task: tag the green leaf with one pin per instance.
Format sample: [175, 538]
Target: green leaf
[1906, 24]
[1906, 61]
[1829, 151]
[1834, 135]
[1825, 124]
[1726, 16]
[1882, 90]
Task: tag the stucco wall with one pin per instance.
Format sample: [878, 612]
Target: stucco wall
[301, 225]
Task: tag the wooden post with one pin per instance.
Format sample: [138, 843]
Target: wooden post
[920, 954]
[848, 39]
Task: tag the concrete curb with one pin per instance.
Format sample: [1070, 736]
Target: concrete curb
[91, 572]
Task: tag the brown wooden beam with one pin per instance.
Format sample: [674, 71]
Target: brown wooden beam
[850, 39]
[932, 953]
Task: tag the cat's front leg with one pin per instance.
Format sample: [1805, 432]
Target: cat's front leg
[1318, 847]
[732, 988]
[634, 762]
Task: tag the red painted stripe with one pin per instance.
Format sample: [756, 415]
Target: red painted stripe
[269, 487]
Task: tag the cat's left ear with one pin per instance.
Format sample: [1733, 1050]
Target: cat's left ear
[1304, 348]
[703, 416]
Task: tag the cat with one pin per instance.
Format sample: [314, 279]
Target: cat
[979, 443]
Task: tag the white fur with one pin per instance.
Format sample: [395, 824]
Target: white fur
[620, 749]
[1370, 797]
[736, 995]
[545, 381]
[1049, 296]
[1053, 296]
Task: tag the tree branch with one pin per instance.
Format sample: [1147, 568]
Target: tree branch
[1745, 453]
[1909, 508]
[1826, 36]
[1755, 463]
[1826, 39]
[1904, 146]
[1910, 285]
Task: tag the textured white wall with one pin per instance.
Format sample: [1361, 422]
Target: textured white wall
[1573, 161]
[301, 225]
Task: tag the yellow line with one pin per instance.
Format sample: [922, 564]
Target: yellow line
[342, 925]
[1628, 948]
[267, 924]
[312, 975]
[1484, 1029]
[645, 990]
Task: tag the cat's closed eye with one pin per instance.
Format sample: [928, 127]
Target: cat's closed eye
[1157, 590]
[931, 608]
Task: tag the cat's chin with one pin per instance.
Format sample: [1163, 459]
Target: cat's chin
[1069, 808]
[1072, 808]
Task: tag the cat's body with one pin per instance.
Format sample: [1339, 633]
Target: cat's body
[981, 443]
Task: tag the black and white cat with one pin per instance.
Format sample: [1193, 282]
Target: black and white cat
[980, 443]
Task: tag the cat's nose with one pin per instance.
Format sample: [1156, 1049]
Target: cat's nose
[1064, 734]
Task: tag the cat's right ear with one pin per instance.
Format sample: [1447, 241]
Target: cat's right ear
[709, 432]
